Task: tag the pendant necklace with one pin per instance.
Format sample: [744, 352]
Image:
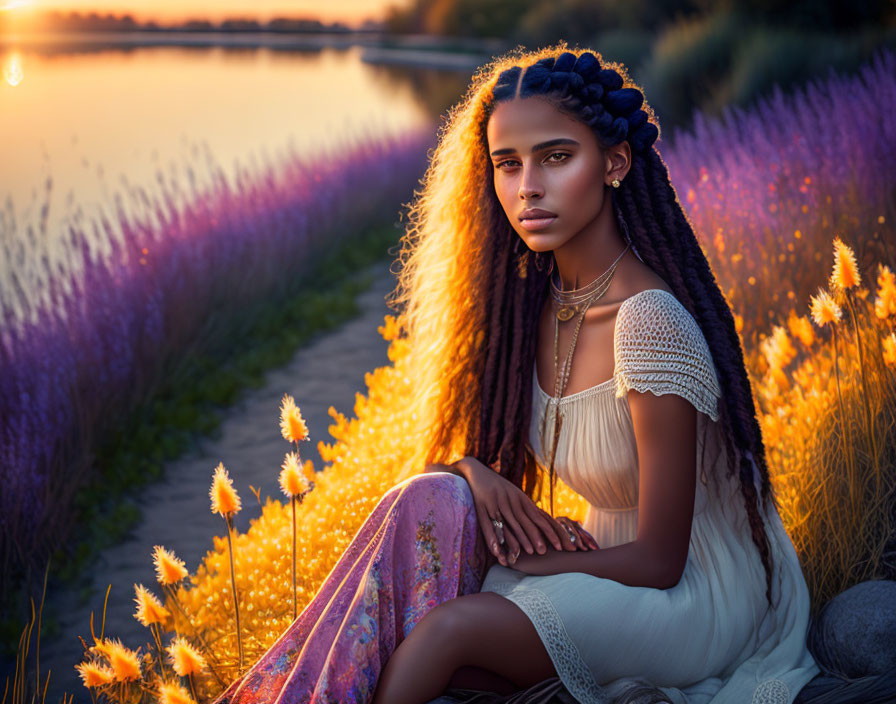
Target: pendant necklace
[567, 304]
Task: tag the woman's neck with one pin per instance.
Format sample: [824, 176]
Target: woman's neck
[591, 252]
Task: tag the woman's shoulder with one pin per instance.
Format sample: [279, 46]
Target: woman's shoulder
[660, 347]
[653, 308]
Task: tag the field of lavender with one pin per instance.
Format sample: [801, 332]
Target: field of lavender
[137, 331]
[794, 202]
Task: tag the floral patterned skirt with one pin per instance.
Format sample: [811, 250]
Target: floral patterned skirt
[420, 546]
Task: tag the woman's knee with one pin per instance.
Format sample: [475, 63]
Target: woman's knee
[438, 484]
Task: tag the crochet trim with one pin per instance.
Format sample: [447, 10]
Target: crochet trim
[773, 691]
[659, 347]
[569, 663]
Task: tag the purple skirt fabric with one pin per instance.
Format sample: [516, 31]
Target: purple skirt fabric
[420, 546]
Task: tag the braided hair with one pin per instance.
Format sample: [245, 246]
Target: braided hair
[661, 236]
[473, 290]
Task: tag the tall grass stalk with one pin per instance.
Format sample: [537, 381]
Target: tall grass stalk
[869, 418]
[236, 604]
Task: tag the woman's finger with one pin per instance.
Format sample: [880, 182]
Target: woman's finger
[590, 538]
[511, 548]
[535, 535]
[562, 532]
[581, 540]
[583, 537]
[568, 542]
[545, 523]
[509, 515]
[483, 514]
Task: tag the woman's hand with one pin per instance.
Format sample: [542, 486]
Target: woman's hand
[530, 527]
[584, 539]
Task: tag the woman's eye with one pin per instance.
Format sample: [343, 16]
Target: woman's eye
[550, 158]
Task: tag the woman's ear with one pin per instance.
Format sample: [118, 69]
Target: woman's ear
[619, 160]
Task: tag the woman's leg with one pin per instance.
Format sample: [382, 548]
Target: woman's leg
[482, 630]
[421, 546]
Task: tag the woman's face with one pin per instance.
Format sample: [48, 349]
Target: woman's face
[543, 159]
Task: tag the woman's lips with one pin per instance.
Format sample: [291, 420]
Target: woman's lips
[537, 223]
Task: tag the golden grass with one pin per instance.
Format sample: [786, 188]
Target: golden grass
[826, 404]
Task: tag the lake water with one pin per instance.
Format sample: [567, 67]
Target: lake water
[98, 120]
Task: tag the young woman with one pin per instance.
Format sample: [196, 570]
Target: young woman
[563, 320]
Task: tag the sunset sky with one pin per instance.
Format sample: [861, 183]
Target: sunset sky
[349, 11]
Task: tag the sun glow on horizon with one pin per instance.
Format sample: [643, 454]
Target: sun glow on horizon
[14, 4]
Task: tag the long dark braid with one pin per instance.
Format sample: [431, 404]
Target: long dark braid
[662, 237]
[506, 387]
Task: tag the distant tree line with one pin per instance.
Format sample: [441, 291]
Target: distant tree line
[581, 20]
[95, 22]
[688, 55]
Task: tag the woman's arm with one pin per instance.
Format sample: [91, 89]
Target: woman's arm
[666, 435]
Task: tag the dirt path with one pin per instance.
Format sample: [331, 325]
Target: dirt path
[328, 371]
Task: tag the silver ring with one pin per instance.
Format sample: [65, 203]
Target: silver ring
[499, 528]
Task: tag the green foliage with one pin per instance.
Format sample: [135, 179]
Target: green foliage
[688, 55]
[478, 18]
[830, 15]
[576, 21]
[628, 46]
[536, 21]
[689, 58]
[787, 57]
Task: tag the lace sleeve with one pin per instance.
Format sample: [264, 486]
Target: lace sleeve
[660, 348]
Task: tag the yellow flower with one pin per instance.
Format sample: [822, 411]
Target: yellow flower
[777, 348]
[890, 349]
[885, 303]
[801, 327]
[185, 659]
[102, 647]
[308, 469]
[173, 693]
[124, 661]
[94, 675]
[149, 608]
[170, 569]
[824, 309]
[292, 480]
[225, 500]
[846, 272]
[291, 423]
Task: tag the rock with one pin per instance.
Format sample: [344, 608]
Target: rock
[854, 634]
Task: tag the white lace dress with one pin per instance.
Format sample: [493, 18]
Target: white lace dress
[710, 638]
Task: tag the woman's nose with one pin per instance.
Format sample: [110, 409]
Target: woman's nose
[529, 185]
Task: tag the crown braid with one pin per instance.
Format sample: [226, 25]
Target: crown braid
[594, 95]
[661, 236]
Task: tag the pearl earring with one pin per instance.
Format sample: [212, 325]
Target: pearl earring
[615, 183]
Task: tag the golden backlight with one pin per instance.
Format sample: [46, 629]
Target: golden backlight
[12, 69]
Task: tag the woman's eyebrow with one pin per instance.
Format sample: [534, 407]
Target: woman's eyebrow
[539, 146]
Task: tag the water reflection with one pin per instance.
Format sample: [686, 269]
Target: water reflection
[12, 69]
[79, 119]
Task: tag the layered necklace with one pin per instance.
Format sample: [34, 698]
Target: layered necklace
[566, 304]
